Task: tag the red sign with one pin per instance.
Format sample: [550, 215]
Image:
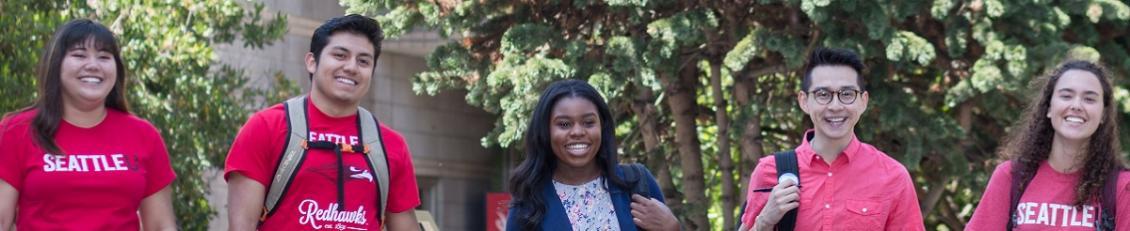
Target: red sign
[498, 204]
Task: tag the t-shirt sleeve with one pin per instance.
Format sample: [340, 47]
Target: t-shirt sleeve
[761, 181]
[159, 172]
[403, 192]
[905, 212]
[249, 154]
[11, 156]
[992, 211]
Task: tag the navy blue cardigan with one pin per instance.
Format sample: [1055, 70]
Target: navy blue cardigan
[556, 219]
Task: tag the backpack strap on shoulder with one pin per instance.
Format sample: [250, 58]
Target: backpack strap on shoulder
[1105, 220]
[376, 155]
[1015, 190]
[292, 156]
[787, 164]
[636, 173]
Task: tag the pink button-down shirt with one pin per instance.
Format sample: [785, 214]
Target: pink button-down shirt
[863, 189]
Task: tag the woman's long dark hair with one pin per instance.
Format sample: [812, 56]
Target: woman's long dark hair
[527, 179]
[49, 103]
[1031, 144]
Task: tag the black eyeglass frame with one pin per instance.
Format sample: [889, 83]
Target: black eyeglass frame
[846, 96]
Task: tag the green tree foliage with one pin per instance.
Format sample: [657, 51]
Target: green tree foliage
[175, 81]
[946, 77]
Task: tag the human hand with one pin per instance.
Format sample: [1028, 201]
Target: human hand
[650, 214]
[745, 227]
[784, 198]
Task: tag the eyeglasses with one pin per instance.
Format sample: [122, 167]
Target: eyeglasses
[824, 96]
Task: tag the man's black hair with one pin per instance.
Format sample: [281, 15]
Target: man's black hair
[352, 23]
[832, 57]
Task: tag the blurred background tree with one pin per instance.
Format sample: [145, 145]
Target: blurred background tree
[711, 85]
[175, 81]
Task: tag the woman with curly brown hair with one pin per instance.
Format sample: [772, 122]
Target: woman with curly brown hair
[1064, 170]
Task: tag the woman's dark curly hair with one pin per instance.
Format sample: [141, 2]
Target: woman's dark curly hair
[1031, 144]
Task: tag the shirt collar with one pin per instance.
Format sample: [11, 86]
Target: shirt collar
[805, 151]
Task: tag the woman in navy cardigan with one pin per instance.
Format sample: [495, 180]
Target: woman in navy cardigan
[571, 178]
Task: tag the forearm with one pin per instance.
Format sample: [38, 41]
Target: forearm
[157, 211]
[8, 198]
[169, 225]
[674, 227]
[243, 216]
[165, 228]
[245, 202]
[241, 223]
[403, 221]
[760, 224]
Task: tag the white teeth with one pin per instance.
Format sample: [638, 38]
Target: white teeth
[577, 146]
[90, 79]
[837, 119]
[1073, 119]
[346, 81]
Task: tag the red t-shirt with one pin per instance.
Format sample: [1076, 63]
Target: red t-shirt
[97, 185]
[1047, 203]
[311, 202]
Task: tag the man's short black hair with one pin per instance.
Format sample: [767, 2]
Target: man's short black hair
[832, 57]
[352, 23]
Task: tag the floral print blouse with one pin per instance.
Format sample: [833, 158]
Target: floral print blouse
[589, 206]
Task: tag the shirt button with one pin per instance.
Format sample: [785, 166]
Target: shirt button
[865, 210]
[827, 206]
[829, 174]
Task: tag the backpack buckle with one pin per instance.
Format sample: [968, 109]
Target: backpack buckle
[345, 147]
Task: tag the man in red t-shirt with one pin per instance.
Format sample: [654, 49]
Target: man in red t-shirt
[342, 59]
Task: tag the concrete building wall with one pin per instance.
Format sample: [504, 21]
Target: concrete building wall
[443, 133]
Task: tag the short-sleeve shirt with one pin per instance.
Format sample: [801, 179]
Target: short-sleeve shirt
[1047, 203]
[863, 189]
[97, 183]
[311, 202]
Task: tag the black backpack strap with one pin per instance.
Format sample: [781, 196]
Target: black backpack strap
[635, 174]
[741, 212]
[1109, 210]
[787, 163]
[1014, 192]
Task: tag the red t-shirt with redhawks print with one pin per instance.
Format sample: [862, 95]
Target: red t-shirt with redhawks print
[99, 181]
[311, 202]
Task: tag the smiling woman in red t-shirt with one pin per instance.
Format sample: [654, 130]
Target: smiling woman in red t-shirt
[77, 159]
[1063, 160]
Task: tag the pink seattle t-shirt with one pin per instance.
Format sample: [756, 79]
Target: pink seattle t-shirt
[1047, 203]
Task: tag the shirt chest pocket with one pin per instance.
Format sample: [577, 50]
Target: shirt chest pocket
[865, 214]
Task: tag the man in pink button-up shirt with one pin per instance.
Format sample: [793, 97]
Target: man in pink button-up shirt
[845, 184]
